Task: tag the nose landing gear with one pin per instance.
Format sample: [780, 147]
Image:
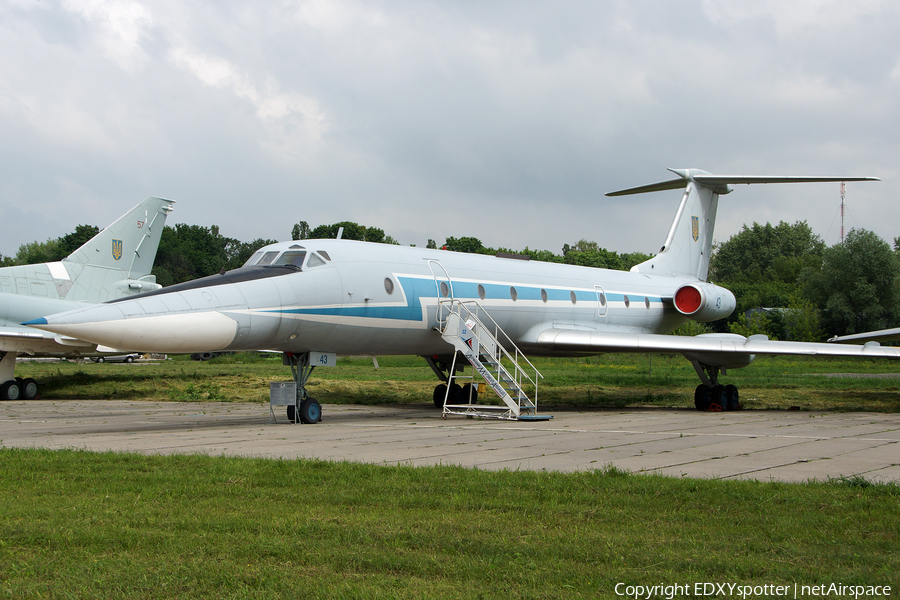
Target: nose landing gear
[306, 408]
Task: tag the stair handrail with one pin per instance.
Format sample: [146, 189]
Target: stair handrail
[497, 329]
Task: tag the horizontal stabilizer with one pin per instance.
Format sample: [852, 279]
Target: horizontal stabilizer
[672, 184]
[717, 182]
[734, 179]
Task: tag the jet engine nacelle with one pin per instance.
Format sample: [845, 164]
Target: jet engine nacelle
[704, 302]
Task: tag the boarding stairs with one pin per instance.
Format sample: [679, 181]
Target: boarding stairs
[481, 341]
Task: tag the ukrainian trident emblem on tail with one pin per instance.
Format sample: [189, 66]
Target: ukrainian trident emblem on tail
[695, 228]
[117, 249]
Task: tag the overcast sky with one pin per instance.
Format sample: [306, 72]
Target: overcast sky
[506, 121]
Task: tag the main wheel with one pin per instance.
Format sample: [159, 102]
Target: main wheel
[29, 388]
[701, 397]
[732, 399]
[456, 394]
[101, 360]
[129, 359]
[440, 392]
[717, 398]
[10, 390]
[310, 411]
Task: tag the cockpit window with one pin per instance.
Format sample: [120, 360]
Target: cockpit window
[253, 259]
[268, 257]
[324, 255]
[291, 257]
[314, 261]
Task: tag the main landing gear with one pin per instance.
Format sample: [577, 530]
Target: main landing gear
[306, 408]
[14, 388]
[19, 389]
[711, 395]
[459, 394]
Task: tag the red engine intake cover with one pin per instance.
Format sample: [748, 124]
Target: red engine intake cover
[688, 300]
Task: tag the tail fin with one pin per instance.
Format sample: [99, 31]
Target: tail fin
[687, 248]
[122, 253]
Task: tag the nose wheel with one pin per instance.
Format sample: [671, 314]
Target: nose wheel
[310, 412]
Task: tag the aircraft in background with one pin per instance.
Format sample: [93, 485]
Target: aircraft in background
[314, 299]
[115, 263]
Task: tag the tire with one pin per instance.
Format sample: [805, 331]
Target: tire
[456, 394]
[701, 397]
[29, 389]
[717, 400]
[292, 413]
[440, 391]
[732, 398]
[310, 411]
[101, 360]
[10, 390]
[129, 359]
[466, 397]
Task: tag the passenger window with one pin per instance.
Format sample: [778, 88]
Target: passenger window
[314, 261]
[268, 257]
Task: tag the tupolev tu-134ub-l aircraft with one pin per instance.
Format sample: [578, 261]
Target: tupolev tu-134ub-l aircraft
[313, 299]
[115, 263]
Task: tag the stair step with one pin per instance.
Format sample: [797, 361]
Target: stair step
[465, 331]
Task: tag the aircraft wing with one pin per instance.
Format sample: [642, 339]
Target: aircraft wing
[593, 342]
[25, 340]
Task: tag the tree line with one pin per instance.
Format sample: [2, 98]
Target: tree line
[788, 284]
[812, 291]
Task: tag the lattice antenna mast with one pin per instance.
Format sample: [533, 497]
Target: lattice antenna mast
[843, 190]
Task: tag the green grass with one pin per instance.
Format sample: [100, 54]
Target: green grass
[87, 525]
[612, 380]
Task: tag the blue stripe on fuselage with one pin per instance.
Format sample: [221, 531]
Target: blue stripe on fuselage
[413, 288]
[416, 288]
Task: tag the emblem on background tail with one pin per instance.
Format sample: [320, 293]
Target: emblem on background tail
[117, 249]
[695, 228]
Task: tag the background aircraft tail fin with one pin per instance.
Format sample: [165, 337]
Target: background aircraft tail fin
[687, 248]
[122, 252]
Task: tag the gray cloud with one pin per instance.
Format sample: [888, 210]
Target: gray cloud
[507, 121]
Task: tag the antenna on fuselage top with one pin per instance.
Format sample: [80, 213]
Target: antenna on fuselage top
[340, 233]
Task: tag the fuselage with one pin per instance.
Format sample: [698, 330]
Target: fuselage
[352, 297]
